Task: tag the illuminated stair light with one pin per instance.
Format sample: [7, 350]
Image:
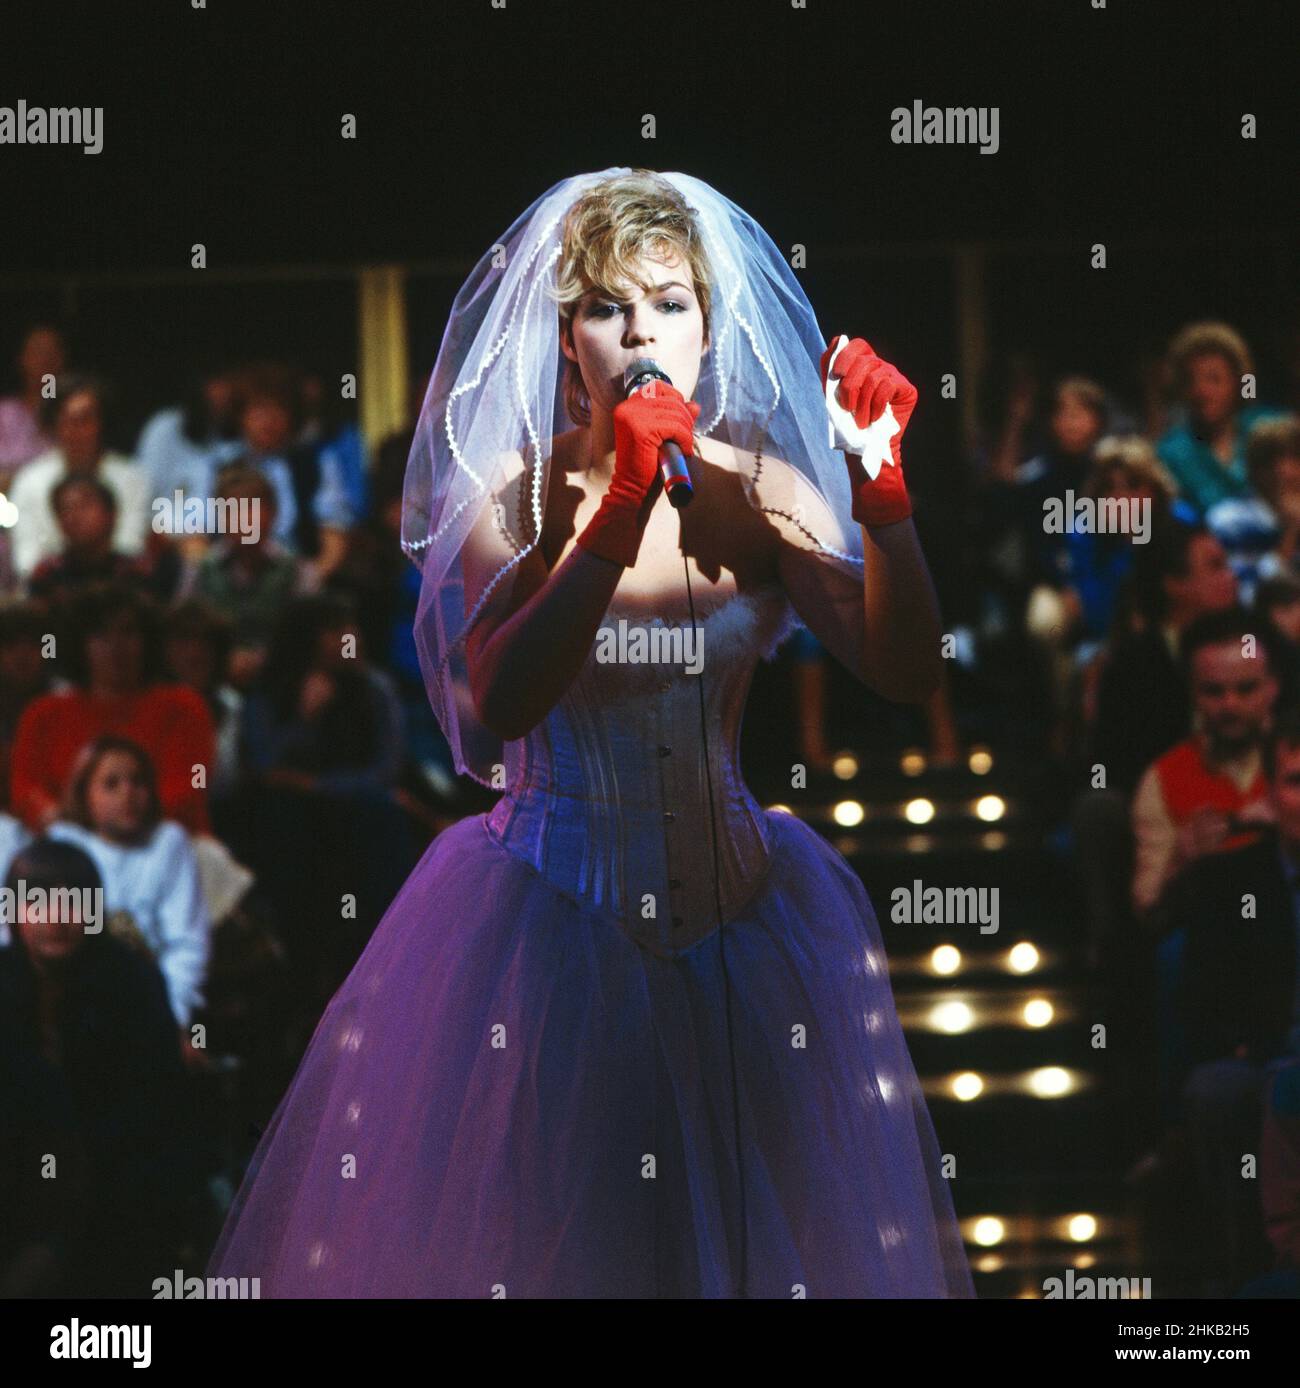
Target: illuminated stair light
[1050, 1082]
[1082, 1227]
[919, 811]
[945, 959]
[1038, 1012]
[849, 813]
[990, 808]
[952, 1018]
[845, 766]
[967, 1086]
[989, 1231]
[1023, 958]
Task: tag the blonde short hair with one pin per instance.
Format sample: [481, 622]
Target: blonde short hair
[1201, 339]
[1133, 454]
[611, 227]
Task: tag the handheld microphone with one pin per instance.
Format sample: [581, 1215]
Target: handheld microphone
[672, 465]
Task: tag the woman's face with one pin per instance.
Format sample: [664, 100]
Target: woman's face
[1074, 425]
[606, 335]
[117, 796]
[1213, 391]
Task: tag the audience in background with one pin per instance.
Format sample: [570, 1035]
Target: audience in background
[181, 447]
[1236, 1007]
[91, 1081]
[77, 417]
[150, 874]
[42, 359]
[113, 657]
[1206, 450]
[26, 634]
[251, 578]
[1207, 793]
[312, 511]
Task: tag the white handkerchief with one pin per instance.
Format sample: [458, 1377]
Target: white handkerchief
[871, 443]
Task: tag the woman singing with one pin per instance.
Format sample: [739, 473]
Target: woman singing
[628, 1034]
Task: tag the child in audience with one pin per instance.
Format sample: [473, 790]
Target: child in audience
[152, 892]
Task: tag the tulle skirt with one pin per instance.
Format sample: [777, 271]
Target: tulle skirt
[509, 1097]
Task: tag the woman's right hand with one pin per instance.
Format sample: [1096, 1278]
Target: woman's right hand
[655, 415]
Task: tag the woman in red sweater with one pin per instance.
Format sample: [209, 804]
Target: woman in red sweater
[112, 650]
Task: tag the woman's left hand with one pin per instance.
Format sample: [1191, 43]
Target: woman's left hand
[867, 384]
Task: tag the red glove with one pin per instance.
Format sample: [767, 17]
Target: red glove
[654, 415]
[867, 385]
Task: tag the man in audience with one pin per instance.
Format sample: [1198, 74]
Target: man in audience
[1207, 793]
[1237, 1009]
[86, 512]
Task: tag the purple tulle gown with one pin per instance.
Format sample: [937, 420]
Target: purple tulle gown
[551, 1075]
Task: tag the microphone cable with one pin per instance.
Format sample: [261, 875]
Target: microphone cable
[722, 952]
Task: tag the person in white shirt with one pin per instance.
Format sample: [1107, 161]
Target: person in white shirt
[148, 866]
[78, 419]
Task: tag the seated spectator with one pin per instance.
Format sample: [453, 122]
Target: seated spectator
[1262, 531]
[26, 638]
[251, 582]
[181, 448]
[327, 428]
[90, 1077]
[113, 656]
[1207, 794]
[79, 426]
[321, 815]
[196, 651]
[149, 871]
[86, 513]
[1206, 450]
[1237, 1009]
[323, 718]
[312, 513]
[1080, 596]
[385, 586]
[1141, 706]
[41, 359]
[1077, 422]
[1277, 607]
